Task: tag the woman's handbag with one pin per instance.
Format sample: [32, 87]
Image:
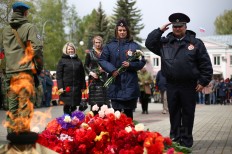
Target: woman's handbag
[147, 89]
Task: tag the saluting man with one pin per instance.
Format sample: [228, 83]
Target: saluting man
[187, 67]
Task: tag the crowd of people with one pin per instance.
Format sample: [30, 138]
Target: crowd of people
[218, 91]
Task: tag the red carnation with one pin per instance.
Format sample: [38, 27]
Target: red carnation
[67, 89]
[167, 141]
[2, 55]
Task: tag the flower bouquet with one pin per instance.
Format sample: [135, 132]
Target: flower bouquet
[108, 132]
[131, 57]
[100, 73]
[61, 91]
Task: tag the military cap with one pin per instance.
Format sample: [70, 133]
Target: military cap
[18, 5]
[122, 22]
[179, 19]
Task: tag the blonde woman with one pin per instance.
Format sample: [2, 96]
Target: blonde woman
[97, 76]
[70, 75]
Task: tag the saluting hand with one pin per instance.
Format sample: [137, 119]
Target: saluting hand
[165, 27]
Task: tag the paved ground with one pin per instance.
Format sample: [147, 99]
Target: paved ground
[212, 129]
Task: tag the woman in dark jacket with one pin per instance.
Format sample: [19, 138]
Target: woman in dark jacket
[70, 75]
[124, 91]
[97, 76]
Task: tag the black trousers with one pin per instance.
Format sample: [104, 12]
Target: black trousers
[181, 104]
[68, 109]
[144, 99]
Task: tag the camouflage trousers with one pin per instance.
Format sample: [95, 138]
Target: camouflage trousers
[4, 93]
[20, 92]
[38, 96]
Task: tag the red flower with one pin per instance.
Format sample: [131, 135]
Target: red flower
[167, 141]
[103, 135]
[2, 55]
[67, 89]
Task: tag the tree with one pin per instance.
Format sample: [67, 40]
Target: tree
[72, 23]
[101, 23]
[223, 23]
[51, 26]
[5, 10]
[126, 9]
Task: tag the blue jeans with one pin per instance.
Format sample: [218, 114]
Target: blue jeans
[201, 98]
[212, 98]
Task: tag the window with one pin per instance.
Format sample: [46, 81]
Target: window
[216, 60]
[155, 61]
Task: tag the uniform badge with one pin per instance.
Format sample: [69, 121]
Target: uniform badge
[190, 47]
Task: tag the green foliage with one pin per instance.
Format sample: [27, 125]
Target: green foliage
[5, 12]
[101, 24]
[180, 148]
[82, 33]
[126, 9]
[51, 26]
[223, 23]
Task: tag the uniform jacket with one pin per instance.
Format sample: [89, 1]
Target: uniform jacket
[70, 73]
[125, 87]
[181, 60]
[13, 51]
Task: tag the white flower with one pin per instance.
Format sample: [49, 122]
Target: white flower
[117, 114]
[128, 129]
[101, 114]
[104, 108]
[129, 53]
[95, 108]
[139, 127]
[67, 119]
[145, 150]
[109, 110]
[65, 137]
[35, 129]
[140, 52]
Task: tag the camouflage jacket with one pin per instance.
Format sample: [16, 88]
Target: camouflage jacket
[14, 52]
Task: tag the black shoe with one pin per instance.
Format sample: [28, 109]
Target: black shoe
[143, 112]
[146, 112]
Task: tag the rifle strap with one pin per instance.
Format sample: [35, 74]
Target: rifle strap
[18, 38]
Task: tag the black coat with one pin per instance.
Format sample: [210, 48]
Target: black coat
[70, 73]
[97, 93]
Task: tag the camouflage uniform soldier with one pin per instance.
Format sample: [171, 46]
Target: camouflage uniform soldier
[19, 40]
